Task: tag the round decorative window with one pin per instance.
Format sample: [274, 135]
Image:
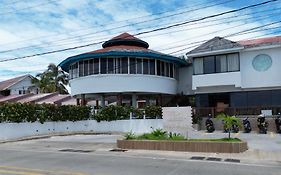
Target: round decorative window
[262, 62]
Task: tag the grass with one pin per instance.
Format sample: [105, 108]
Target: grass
[159, 134]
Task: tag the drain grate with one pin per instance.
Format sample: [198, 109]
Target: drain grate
[197, 158]
[213, 159]
[76, 150]
[118, 150]
[232, 160]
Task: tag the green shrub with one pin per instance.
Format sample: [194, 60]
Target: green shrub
[25, 112]
[153, 111]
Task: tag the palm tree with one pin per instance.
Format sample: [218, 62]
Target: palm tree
[228, 121]
[52, 80]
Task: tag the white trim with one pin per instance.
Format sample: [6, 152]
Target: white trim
[215, 52]
[262, 47]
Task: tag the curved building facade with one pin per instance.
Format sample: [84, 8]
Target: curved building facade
[124, 71]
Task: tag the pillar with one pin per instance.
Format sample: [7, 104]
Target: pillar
[119, 99]
[134, 100]
[102, 101]
[83, 100]
[97, 104]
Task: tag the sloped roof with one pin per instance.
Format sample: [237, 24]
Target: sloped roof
[217, 43]
[10, 82]
[125, 35]
[275, 40]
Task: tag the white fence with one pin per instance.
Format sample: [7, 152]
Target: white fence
[19, 130]
[175, 119]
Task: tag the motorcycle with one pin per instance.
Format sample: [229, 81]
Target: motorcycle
[247, 125]
[278, 124]
[209, 125]
[235, 127]
[262, 125]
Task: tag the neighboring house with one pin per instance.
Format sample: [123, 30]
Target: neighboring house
[18, 85]
[123, 71]
[239, 74]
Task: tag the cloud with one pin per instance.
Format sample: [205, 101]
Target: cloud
[55, 25]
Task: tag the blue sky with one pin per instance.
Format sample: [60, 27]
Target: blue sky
[29, 27]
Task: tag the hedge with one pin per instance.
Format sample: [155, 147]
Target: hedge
[25, 112]
[112, 112]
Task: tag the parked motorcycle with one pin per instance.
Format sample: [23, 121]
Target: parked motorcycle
[262, 124]
[278, 124]
[209, 125]
[247, 125]
[235, 127]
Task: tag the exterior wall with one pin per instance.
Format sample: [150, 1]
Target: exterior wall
[123, 83]
[22, 85]
[219, 79]
[11, 131]
[185, 80]
[254, 79]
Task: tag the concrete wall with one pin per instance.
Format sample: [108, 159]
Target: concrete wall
[123, 83]
[185, 80]
[18, 130]
[255, 79]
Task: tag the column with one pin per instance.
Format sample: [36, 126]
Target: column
[102, 101]
[134, 100]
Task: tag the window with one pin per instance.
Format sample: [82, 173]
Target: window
[132, 66]
[75, 70]
[167, 69]
[86, 68]
[171, 70]
[103, 65]
[216, 64]
[233, 62]
[152, 67]
[198, 66]
[91, 67]
[162, 69]
[81, 68]
[221, 63]
[139, 66]
[110, 66]
[145, 66]
[158, 67]
[124, 65]
[209, 64]
[96, 66]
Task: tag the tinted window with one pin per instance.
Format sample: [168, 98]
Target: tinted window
[124, 65]
[152, 67]
[145, 66]
[96, 66]
[103, 65]
[209, 65]
[110, 64]
[132, 65]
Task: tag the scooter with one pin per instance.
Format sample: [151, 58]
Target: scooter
[278, 124]
[262, 124]
[247, 125]
[209, 125]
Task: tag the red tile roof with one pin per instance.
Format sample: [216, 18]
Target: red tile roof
[125, 36]
[8, 83]
[261, 41]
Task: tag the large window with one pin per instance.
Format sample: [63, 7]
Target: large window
[216, 64]
[122, 65]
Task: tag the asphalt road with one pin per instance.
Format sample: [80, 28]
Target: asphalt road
[55, 156]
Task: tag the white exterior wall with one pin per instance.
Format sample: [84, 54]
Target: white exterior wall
[123, 83]
[246, 78]
[22, 85]
[254, 79]
[219, 79]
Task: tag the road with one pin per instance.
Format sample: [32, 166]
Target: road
[55, 156]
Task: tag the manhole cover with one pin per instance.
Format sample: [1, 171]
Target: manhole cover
[76, 150]
[232, 160]
[118, 150]
[197, 158]
[213, 159]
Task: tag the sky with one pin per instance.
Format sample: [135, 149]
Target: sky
[29, 27]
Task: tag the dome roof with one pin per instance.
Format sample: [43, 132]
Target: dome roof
[122, 45]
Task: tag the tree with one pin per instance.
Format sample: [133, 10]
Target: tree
[52, 80]
[229, 121]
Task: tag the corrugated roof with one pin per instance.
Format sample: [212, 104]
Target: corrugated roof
[10, 82]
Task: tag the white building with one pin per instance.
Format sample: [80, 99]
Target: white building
[237, 74]
[18, 85]
[124, 71]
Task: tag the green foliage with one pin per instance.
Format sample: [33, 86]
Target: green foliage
[153, 111]
[228, 121]
[25, 112]
[155, 134]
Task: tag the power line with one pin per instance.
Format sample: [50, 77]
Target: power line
[145, 32]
